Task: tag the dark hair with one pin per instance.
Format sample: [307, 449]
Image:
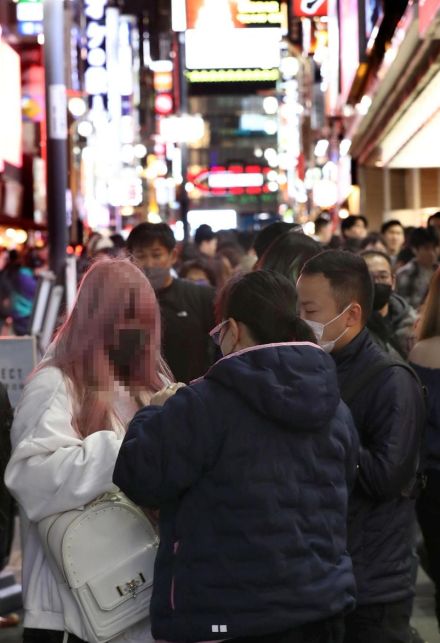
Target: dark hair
[203, 233]
[118, 241]
[377, 253]
[321, 222]
[350, 221]
[267, 235]
[433, 217]
[390, 224]
[145, 234]
[423, 237]
[266, 303]
[288, 254]
[199, 264]
[233, 253]
[373, 237]
[348, 276]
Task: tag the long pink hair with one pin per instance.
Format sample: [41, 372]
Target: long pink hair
[113, 295]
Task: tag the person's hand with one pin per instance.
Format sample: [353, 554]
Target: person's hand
[159, 398]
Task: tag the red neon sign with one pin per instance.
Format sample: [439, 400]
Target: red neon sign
[427, 12]
[310, 8]
[233, 179]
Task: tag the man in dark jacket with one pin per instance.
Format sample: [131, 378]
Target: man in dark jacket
[187, 309]
[336, 293]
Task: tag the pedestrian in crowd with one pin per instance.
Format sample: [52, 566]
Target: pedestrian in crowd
[413, 279]
[250, 468]
[354, 229]
[323, 229]
[374, 241]
[200, 271]
[392, 323]
[20, 284]
[434, 222]
[206, 240]
[288, 254]
[335, 293]
[102, 366]
[187, 309]
[393, 233]
[268, 234]
[425, 359]
[118, 251]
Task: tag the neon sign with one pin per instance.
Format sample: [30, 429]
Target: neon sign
[234, 179]
[310, 8]
[233, 75]
[96, 78]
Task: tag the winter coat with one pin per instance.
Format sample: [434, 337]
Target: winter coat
[389, 415]
[6, 502]
[250, 468]
[52, 469]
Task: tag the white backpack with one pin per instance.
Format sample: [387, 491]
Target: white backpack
[105, 554]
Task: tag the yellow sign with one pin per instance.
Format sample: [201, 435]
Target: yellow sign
[233, 75]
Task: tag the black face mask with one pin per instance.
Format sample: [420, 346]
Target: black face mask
[382, 294]
[130, 342]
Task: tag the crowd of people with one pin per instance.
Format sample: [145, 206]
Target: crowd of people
[271, 402]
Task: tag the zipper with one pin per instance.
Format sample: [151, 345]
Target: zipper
[173, 580]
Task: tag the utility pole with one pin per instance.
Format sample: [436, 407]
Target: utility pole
[56, 127]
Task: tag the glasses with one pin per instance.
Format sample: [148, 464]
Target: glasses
[215, 332]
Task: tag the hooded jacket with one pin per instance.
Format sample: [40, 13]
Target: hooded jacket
[250, 467]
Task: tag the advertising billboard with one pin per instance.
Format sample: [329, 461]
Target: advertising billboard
[310, 8]
[349, 44]
[233, 40]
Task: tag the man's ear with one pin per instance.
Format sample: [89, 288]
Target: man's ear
[354, 315]
[174, 256]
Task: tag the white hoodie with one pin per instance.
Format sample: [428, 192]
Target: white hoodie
[52, 470]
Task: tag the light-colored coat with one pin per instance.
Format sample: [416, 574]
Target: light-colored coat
[51, 470]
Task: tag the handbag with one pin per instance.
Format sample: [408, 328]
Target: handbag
[105, 554]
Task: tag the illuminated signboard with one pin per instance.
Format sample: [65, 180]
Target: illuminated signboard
[29, 17]
[233, 179]
[252, 31]
[310, 8]
[10, 109]
[96, 78]
[428, 10]
[349, 37]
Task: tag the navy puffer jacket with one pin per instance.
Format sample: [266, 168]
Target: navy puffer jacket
[250, 467]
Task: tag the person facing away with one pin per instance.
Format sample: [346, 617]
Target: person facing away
[206, 241]
[288, 254]
[20, 286]
[354, 229]
[101, 367]
[335, 294]
[413, 279]
[425, 359]
[392, 322]
[250, 468]
[187, 309]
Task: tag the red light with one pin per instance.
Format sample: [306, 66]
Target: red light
[163, 104]
[69, 250]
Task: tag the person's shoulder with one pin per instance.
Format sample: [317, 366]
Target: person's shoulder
[426, 353]
[196, 291]
[408, 268]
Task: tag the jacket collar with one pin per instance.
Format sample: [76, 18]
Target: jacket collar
[352, 350]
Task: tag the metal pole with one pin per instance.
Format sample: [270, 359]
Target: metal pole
[184, 109]
[56, 119]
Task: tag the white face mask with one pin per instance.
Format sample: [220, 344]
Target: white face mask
[319, 328]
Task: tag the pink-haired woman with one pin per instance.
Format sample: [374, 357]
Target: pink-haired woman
[103, 365]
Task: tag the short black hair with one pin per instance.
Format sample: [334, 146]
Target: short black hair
[390, 224]
[288, 254]
[377, 253]
[322, 221]
[350, 221]
[265, 302]
[267, 235]
[433, 217]
[145, 234]
[373, 237]
[349, 278]
[203, 233]
[423, 237]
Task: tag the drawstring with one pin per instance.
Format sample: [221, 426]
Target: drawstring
[66, 637]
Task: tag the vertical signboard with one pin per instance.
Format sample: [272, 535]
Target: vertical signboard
[349, 44]
[10, 107]
[96, 77]
[428, 10]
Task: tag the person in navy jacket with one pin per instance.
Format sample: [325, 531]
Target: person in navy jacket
[250, 467]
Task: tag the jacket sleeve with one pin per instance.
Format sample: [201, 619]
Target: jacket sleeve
[165, 450]
[389, 455]
[51, 468]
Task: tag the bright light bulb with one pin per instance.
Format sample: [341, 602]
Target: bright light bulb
[270, 105]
